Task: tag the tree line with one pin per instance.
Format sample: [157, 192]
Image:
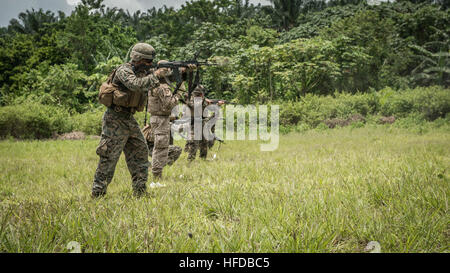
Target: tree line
[277, 52]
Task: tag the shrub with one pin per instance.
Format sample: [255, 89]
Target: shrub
[33, 121]
[89, 122]
[430, 102]
[424, 103]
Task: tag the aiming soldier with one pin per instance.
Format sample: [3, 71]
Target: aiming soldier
[124, 93]
[174, 151]
[161, 101]
[192, 145]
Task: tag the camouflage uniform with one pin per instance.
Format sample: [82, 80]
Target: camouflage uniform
[160, 104]
[120, 131]
[174, 151]
[193, 145]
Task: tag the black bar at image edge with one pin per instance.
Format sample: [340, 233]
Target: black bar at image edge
[232, 262]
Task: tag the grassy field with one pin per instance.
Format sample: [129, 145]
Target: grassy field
[321, 191]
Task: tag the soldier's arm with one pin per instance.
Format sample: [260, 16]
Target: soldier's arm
[129, 79]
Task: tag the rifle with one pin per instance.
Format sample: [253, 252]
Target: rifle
[216, 101]
[182, 121]
[219, 139]
[176, 65]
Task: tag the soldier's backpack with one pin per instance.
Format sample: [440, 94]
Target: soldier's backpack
[115, 94]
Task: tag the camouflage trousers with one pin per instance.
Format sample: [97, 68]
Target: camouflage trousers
[174, 152]
[211, 142]
[193, 145]
[160, 133]
[121, 132]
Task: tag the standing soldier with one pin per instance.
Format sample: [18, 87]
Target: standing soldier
[125, 93]
[193, 145]
[174, 151]
[161, 101]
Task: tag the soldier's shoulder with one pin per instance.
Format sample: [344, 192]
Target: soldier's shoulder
[164, 89]
[126, 67]
[163, 86]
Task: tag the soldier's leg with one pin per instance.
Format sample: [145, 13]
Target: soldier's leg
[109, 151]
[161, 129]
[111, 145]
[149, 137]
[150, 146]
[136, 156]
[203, 148]
[192, 146]
[160, 154]
[211, 142]
[192, 149]
[174, 154]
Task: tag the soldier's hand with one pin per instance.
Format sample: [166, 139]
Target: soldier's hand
[192, 67]
[162, 61]
[221, 102]
[162, 72]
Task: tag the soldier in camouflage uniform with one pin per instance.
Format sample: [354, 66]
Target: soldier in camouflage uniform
[193, 145]
[161, 101]
[120, 131]
[174, 151]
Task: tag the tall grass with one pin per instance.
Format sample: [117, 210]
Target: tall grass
[321, 191]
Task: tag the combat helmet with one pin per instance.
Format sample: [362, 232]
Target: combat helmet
[199, 90]
[142, 51]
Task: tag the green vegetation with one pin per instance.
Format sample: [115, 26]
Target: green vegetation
[321, 191]
[277, 52]
[36, 120]
[319, 61]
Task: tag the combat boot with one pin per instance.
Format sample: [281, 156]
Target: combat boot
[98, 194]
[157, 176]
[140, 193]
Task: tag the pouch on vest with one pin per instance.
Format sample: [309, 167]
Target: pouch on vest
[106, 94]
[111, 93]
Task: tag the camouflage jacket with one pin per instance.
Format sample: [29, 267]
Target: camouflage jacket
[161, 100]
[135, 81]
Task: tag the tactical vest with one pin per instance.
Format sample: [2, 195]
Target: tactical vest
[154, 102]
[117, 94]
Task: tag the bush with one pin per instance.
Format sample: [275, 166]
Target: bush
[430, 102]
[33, 121]
[89, 122]
[427, 104]
[312, 109]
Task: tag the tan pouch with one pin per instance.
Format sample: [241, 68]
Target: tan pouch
[134, 99]
[106, 93]
[105, 96]
[142, 102]
[111, 93]
[121, 98]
